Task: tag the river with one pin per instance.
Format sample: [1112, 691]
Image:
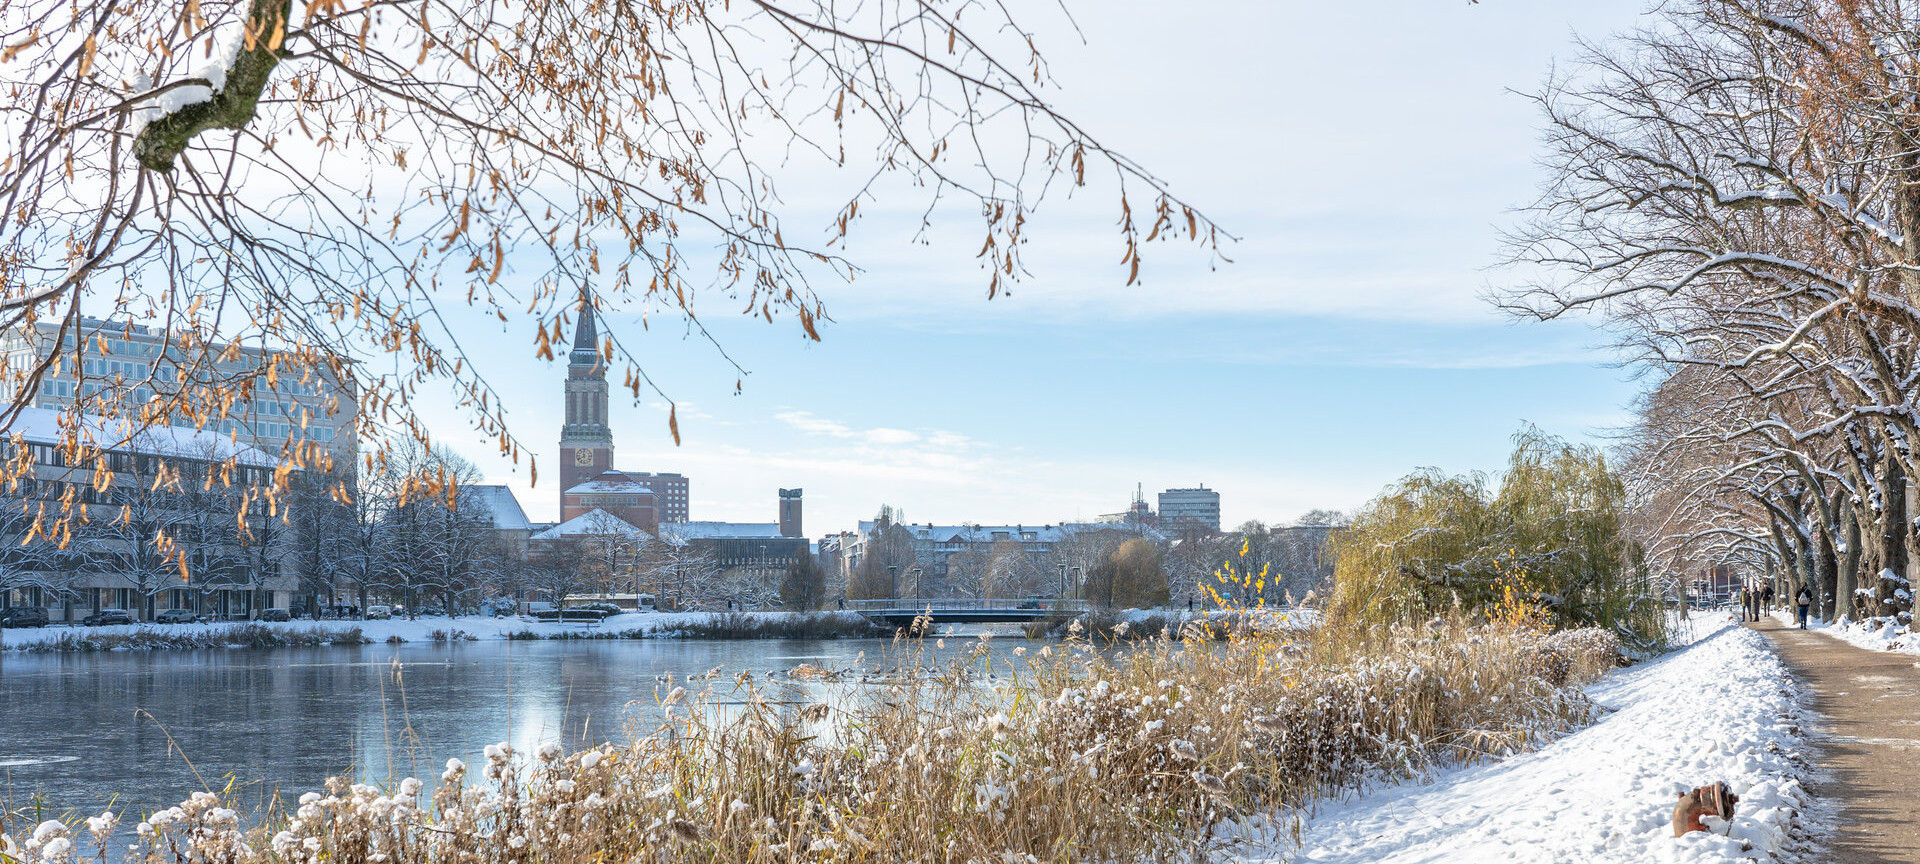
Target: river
[142, 729]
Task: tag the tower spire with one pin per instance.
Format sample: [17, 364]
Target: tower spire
[586, 336]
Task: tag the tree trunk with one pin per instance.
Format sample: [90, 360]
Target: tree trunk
[1827, 567]
[1895, 535]
[1789, 568]
[1849, 565]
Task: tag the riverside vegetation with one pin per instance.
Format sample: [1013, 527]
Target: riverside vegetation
[716, 626]
[1156, 749]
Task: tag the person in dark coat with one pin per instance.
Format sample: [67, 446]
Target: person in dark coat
[1804, 600]
[1766, 597]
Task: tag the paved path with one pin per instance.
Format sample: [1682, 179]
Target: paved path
[1869, 750]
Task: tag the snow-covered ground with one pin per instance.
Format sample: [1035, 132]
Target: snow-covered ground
[1884, 636]
[1721, 709]
[420, 630]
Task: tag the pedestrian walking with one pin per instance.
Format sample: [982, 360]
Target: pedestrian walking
[1753, 601]
[1742, 598]
[1803, 599]
[1766, 597]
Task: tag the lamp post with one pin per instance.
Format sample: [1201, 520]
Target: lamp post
[893, 580]
[1060, 584]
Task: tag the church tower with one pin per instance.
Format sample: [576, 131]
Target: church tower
[586, 442]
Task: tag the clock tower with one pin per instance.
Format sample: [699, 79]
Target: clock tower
[586, 442]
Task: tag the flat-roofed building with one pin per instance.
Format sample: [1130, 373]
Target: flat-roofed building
[146, 520]
[669, 493]
[753, 546]
[119, 368]
[1198, 507]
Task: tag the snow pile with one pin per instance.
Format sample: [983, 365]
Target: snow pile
[1873, 634]
[1721, 709]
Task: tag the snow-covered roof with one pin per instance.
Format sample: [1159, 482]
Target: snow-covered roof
[986, 533]
[680, 533]
[592, 523]
[611, 482]
[43, 426]
[499, 500]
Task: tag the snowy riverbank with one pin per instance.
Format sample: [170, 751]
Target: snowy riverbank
[630, 625]
[1721, 709]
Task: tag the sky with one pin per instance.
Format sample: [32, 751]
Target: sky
[1366, 155]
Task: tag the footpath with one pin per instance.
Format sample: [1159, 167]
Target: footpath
[1869, 702]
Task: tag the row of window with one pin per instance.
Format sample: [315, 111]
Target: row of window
[53, 455]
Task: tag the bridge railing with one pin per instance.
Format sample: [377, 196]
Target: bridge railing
[937, 605]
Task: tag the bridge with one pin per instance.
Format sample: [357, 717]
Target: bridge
[900, 612]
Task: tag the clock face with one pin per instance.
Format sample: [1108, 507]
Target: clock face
[583, 457]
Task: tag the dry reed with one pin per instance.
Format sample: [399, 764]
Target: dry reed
[1157, 750]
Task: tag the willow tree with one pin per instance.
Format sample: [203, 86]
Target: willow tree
[1549, 541]
[342, 180]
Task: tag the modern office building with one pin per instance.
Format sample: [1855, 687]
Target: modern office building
[669, 494]
[1198, 507]
[184, 483]
[757, 547]
[121, 368]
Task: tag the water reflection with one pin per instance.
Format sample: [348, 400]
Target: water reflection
[140, 730]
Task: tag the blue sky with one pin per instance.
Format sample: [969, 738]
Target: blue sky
[1366, 153]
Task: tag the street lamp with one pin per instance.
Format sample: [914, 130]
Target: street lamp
[893, 580]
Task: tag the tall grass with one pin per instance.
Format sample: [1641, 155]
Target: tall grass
[236, 636]
[1151, 752]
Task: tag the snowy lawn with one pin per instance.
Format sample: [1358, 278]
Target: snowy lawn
[420, 630]
[1721, 709]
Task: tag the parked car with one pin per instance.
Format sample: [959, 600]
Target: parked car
[176, 616]
[606, 610]
[23, 616]
[379, 613]
[646, 604]
[275, 615]
[108, 616]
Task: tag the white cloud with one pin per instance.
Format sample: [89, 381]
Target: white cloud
[806, 422]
